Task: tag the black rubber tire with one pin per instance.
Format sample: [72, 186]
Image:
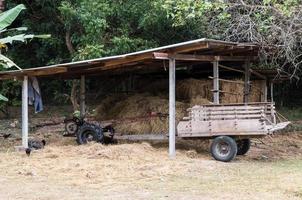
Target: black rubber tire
[243, 146]
[89, 130]
[224, 148]
[71, 127]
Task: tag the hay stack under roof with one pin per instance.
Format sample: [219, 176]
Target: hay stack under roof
[132, 112]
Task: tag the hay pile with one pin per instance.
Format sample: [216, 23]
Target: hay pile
[255, 92]
[232, 92]
[131, 111]
[190, 89]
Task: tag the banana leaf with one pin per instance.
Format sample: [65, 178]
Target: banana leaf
[3, 98]
[7, 63]
[7, 17]
[21, 38]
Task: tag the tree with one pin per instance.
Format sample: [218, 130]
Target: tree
[6, 19]
[274, 25]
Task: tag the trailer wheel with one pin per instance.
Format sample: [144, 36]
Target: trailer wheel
[243, 146]
[224, 148]
[88, 133]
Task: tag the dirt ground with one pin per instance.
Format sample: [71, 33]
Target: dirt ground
[63, 170]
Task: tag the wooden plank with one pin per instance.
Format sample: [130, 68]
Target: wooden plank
[230, 68]
[223, 91]
[141, 137]
[119, 63]
[239, 104]
[241, 71]
[216, 82]
[195, 47]
[258, 74]
[230, 125]
[228, 81]
[209, 108]
[272, 92]
[36, 72]
[233, 133]
[225, 117]
[227, 112]
[183, 57]
[191, 57]
[246, 82]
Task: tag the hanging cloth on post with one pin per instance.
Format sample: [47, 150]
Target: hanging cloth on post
[34, 94]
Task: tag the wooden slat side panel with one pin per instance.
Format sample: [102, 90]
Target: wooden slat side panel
[230, 112]
[188, 135]
[232, 108]
[220, 126]
[225, 117]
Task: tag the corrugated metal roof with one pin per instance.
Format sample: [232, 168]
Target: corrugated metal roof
[183, 47]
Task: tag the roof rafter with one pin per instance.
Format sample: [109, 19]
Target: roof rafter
[207, 58]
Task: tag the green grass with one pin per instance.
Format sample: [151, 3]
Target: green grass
[292, 114]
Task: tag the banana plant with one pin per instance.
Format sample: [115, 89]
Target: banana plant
[6, 19]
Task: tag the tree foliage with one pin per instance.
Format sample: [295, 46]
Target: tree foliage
[273, 24]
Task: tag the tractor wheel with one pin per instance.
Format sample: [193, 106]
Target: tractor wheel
[71, 127]
[224, 148]
[88, 133]
[243, 146]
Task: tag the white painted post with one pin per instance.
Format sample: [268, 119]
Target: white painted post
[172, 129]
[25, 112]
[82, 96]
[216, 82]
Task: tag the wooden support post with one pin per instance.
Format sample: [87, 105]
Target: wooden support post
[246, 82]
[82, 97]
[263, 90]
[172, 129]
[216, 82]
[272, 92]
[265, 93]
[25, 112]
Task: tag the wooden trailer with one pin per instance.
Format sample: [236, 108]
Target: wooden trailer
[231, 126]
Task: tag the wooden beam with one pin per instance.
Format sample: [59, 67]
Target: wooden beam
[241, 71]
[258, 74]
[246, 82]
[216, 82]
[195, 47]
[207, 58]
[272, 92]
[229, 81]
[118, 63]
[263, 90]
[25, 112]
[35, 72]
[172, 125]
[230, 68]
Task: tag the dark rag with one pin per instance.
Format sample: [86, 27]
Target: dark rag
[34, 94]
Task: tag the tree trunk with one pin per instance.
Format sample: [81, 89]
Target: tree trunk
[2, 5]
[74, 94]
[74, 91]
